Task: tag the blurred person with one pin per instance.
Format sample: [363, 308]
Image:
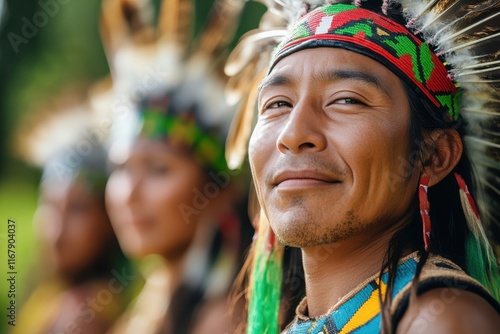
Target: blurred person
[170, 194]
[373, 119]
[81, 289]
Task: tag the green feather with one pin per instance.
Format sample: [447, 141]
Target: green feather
[482, 265]
[266, 292]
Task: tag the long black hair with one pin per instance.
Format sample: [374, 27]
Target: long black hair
[449, 225]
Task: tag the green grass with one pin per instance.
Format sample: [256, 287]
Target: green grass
[18, 198]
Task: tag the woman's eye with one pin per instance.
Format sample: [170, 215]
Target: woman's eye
[158, 170]
[117, 167]
[78, 206]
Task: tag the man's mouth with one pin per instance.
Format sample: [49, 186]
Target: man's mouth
[302, 179]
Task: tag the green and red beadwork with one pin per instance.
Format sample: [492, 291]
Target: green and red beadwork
[182, 132]
[376, 36]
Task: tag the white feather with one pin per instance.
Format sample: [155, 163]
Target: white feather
[432, 17]
[482, 141]
[484, 64]
[485, 70]
[473, 42]
[460, 32]
[414, 9]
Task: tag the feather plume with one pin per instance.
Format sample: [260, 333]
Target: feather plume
[239, 85]
[241, 127]
[175, 22]
[220, 28]
[59, 123]
[251, 46]
[438, 11]
[135, 53]
[248, 60]
[123, 22]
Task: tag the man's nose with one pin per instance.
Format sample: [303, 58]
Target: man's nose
[303, 130]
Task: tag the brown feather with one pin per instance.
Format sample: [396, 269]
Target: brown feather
[175, 22]
[124, 22]
[221, 27]
[252, 45]
[241, 127]
[239, 85]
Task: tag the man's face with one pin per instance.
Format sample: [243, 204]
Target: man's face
[329, 153]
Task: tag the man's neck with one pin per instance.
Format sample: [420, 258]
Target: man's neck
[334, 270]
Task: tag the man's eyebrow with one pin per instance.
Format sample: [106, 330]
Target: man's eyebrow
[325, 76]
[273, 81]
[336, 75]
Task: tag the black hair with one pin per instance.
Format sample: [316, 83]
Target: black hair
[449, 226]
[189, 298]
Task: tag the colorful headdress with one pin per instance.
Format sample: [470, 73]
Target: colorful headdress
[169, 85]
[62, 139]
[165, 86]
[447, 51]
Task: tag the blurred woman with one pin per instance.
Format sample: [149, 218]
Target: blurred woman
[170, 193]
[79, 253]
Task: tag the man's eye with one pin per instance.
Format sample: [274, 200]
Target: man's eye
[278, 104]
[347, 100]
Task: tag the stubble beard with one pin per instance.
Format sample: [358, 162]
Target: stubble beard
[306, 230]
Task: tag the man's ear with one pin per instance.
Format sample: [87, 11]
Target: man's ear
[446, 152]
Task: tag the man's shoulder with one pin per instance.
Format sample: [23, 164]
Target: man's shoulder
[460, 311]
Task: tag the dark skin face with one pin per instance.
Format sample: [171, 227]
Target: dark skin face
[332, 131]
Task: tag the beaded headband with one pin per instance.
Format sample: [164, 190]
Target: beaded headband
[365, 32]
[183, 132]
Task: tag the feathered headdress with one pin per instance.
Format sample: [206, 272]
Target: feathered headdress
[63, 139]
[165, 81]
[458, 39]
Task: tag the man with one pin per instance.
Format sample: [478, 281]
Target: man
[357, 149]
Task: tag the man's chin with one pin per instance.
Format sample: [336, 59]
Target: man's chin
[297, 234]
[299, 237]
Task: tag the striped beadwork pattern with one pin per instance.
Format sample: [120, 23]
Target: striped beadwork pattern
[360, 314]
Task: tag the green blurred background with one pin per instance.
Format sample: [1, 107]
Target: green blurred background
[62, 51]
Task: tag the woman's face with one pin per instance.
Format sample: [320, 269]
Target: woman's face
[73, 226]
[152, 200]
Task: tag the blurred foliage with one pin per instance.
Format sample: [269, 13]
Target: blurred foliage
[46, 47]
